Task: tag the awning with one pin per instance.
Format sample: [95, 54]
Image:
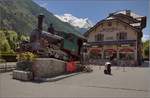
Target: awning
[96, 50]
[126, 50]
[110, 50]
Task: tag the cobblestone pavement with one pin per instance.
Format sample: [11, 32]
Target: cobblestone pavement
[124, 82]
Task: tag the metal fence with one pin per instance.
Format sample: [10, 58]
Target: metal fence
[119, 63]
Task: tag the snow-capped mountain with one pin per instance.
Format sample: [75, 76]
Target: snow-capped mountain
[82, 24]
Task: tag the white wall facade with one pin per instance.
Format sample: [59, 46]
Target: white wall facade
[110, 34]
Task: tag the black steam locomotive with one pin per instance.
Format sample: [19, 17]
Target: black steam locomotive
[48, 44]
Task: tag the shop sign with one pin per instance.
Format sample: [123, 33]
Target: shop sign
[125, 45]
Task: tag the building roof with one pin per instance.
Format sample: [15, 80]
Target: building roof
[136, 20]
[100, 22]
[132, 14]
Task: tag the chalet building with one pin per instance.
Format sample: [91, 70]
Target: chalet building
[119, 35]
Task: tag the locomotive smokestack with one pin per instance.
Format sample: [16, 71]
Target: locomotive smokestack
[40, 22]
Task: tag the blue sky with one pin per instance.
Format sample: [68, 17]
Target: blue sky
[96, 10]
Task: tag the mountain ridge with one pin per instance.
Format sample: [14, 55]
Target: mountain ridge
[21, 16]
[81, 24]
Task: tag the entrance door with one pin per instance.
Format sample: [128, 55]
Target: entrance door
[95, 55]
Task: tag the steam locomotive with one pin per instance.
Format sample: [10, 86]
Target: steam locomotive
[52, 43]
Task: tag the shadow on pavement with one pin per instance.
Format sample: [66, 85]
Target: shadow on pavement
[57, 78]
[131, 89]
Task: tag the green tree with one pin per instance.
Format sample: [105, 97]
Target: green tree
[11, 36]
[4, 44]
[9, 40]
[146, 48]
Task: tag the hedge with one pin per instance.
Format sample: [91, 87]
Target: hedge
[8, 57]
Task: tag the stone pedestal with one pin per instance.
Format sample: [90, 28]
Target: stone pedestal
[48, 67]
[22, 75]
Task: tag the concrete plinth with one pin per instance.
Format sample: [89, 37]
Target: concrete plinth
[22, 75]
[48, 67]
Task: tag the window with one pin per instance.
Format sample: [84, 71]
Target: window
[99, 37]
[95, 55]
[109, 23]
[102, 25]
[122, 36]
[122, 56]
[125, 27]
[126, 56]
[117, 23]
[132, 45]
[94, 29]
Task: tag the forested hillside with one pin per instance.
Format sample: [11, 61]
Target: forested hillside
[21, 16]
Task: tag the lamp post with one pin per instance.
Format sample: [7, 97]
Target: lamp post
[84, 53]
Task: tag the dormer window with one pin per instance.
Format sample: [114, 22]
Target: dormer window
[117, 23]
[109, 24]
[102, 25]
[94, 29]
[125, 27]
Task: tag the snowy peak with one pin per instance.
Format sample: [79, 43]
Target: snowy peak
[75, 21]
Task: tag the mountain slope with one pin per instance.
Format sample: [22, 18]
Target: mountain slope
[21, 16]
[75, 21]
[81, 24]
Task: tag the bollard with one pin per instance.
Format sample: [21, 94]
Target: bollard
[5, 66]
[99, 67]
[117, 67]
[123, 67]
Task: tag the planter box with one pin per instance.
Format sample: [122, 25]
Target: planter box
[22, 75]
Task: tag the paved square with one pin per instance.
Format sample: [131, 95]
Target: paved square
[133, 82]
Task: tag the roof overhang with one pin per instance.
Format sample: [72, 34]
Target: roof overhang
[108, 20]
